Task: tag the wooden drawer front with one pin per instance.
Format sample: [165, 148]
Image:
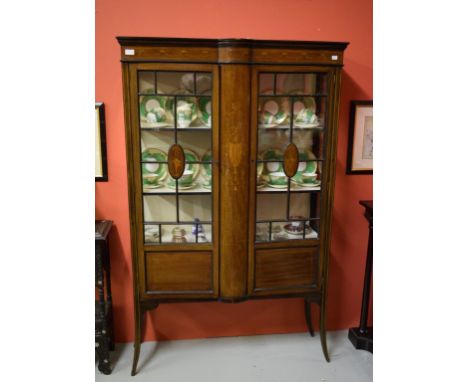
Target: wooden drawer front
[286, 268]
[179, 272]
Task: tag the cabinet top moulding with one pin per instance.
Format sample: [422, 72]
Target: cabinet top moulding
[231, 51]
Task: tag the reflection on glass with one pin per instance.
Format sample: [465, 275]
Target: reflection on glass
[159, 208]
[193, 207]
[180, 83]
[146, 81]
[266, 83]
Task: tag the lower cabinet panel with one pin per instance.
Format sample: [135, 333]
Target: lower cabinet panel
[286, 269]
[177, 272]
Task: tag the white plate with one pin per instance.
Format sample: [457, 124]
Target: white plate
[267, 126]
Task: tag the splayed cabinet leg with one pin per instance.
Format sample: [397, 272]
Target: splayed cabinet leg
[308, 317]
[323, 332]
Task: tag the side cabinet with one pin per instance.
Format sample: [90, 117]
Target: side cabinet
[231, 160]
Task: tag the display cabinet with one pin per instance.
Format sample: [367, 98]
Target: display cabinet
[231, 161]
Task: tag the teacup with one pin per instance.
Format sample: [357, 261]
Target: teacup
[281, 118]
[309, 177]
[267, 118]
[150, 180]
[185, 113]
[306, 116]
[277, 178]
[185, 180]
[156, 114]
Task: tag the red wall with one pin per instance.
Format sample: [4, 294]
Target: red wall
[332, 20]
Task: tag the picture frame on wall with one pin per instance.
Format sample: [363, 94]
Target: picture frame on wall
[100, 144]
[360, 138]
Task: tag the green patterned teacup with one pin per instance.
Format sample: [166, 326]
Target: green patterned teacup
[306, 116]
[185, 180]
[157, 114]
[185, 114]
[309, 177]
[267, 118]
[277, 178]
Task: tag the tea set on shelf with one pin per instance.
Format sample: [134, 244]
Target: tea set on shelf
[179, 234]
[291, 230]
[271, 173]
[276, 112]
[156, 175]
[158, 110]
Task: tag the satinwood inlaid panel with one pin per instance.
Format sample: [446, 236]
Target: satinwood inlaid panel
[291, 160]
[286, 268]
[179, 272]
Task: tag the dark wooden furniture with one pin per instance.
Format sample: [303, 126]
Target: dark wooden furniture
[256, 222]
[362, 337]
[104, 328]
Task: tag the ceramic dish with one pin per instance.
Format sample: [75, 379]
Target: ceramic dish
[272, 154]
[296, 228]
[153, 173]
[152, 234]
[186, 112]
[273, 112]
[306, 165]
[155, 111]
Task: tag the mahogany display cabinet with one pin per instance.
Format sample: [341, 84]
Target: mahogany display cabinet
[231, 148]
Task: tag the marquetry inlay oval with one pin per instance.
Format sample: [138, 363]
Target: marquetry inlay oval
[291, 160]
[176, 161]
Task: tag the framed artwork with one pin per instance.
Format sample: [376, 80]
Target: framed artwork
[360, 140]
[100, 144]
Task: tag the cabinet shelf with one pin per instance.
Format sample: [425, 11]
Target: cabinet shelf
[273, 190]
[285, 128]
[169, 128]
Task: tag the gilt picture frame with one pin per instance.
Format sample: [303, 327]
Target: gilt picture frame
[360, 139]
[100, 144]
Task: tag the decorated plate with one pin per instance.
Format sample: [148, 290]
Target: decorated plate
[155, 111]
[272, 112]
[153, 173]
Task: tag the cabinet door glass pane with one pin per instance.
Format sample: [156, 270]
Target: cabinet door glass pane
[291, 111]
[175, 107]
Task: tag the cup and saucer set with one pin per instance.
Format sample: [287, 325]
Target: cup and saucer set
[158, 111]
[275, 112]
[271, 173]
[156, 175]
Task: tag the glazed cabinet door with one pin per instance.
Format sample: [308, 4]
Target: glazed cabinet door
[174, 158]
[290, 123]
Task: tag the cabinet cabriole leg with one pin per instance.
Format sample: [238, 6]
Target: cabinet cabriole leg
[308, 317]
[323, 332]
[137, 343]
